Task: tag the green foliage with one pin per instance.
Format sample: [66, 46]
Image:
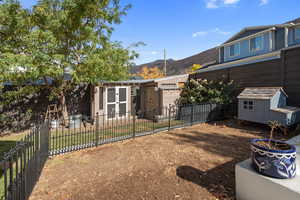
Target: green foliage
[203, 91]
[56, 36]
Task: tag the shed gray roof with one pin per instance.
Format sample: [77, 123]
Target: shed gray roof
[260, 92]
[138, 82]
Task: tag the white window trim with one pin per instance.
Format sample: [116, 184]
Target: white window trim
[253, 105]
[239, 50]
[262, 47]
[295, 36]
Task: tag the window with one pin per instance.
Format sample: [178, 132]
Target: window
[101, 98]
[234, 50]
[248, 105]
[111, 95]
[256, 43]
[297, 33]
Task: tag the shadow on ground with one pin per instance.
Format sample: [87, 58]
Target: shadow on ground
[215, 180]
[220, 180]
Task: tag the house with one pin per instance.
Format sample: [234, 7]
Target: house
[269, 53]
[256, 44]
[264, 104]
[259, 40]
[116, 99]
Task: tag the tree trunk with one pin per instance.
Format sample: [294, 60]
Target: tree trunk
[63, 108]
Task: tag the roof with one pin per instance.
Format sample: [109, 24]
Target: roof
[260, 92]
[126, 82]
[242, 62]
[294, 21]
[250, 30]
[287, 109]
[139, 82]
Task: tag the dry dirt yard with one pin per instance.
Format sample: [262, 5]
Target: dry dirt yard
[192, 163]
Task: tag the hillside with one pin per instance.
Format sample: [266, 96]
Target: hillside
[157, 63]
[175, 67]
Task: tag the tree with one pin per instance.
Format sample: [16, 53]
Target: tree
[150, 73]
[59, 36]
[204, 91]
[194, 68]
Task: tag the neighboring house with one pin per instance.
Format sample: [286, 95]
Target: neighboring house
[264, 104]
[260, 56]
[117, 99]
[259, 40]
[256, 44]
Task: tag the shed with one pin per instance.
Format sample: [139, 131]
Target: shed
[264, 104]
[116, 99]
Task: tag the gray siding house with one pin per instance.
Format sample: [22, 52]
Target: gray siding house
[263, 104]
[256, 44]
[259, 40]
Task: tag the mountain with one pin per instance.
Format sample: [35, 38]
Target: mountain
[176, 67]
[158, 63]
[205, 58]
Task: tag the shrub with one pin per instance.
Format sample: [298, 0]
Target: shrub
[203, 91]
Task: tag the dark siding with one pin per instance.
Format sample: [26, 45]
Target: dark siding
[279, 38]
[284, 72]
[292, 76]
[213, 75]
[221, 55]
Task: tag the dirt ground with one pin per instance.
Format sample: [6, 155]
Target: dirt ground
[191, 163]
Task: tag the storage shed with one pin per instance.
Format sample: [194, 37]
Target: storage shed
[264, 104]
[116, 99]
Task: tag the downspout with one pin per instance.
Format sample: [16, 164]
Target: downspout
[283, 69]
[286, 37]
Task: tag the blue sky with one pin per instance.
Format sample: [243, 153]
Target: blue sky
[187, 27]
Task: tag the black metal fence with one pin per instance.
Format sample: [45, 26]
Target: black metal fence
[23, 164]
[106, 128]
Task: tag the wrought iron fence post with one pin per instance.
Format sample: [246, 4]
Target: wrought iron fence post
[211, 114]
[169, 117]
[133, 124]
[97, 128]
[192, 114]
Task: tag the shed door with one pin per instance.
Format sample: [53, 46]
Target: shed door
[117, 102]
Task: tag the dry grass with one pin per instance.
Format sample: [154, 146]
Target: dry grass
[191, 163]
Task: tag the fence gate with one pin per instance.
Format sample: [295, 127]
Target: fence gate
[24, 163]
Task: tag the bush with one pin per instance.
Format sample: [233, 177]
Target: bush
[204, 91]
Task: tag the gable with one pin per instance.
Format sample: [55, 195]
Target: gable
[245, 33]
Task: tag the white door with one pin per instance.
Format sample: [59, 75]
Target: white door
[117, 102]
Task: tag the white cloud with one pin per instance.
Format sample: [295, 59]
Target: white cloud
[231, 1]
[154, 52]
[199, 34]
[211, 4]
[219, 3]
[216, 31]
[263, 2]
[219, 31]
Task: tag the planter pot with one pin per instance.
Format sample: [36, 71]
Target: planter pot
[274, 163]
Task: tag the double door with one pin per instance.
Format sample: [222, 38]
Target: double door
[117, 102]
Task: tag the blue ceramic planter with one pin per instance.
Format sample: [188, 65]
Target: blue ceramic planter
[274, 163]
